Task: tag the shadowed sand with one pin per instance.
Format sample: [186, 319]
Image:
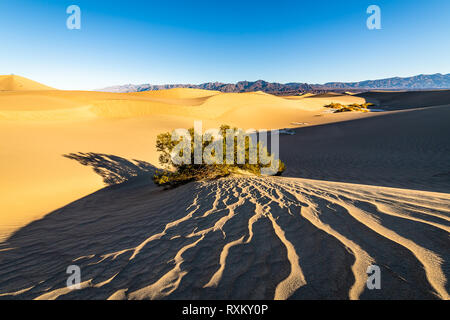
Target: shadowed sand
[236, 238]
[406, 149]
[398, 100]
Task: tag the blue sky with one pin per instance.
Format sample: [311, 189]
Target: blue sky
[191, 41]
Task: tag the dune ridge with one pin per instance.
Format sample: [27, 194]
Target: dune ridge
[18, 83]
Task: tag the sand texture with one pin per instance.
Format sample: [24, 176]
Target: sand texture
[359, 189]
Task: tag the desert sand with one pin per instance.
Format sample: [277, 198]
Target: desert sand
[38, 127]
[359, 189]
[18, 83]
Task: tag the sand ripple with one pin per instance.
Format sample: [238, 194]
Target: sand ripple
[236, 238]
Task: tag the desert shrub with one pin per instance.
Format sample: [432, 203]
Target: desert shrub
[351, 107]
[334, 105]
[173, 174]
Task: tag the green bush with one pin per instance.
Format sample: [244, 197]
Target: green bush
[346, 108]
[174, 174]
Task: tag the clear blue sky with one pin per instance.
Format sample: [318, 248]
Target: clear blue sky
[192, 41]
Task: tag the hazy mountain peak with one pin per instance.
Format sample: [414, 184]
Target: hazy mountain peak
[418, 82]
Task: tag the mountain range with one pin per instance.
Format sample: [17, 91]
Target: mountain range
[418, 82]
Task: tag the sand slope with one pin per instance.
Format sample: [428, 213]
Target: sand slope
[405, 149]
[18, 83]
[239, 237]
[236, 238]
[39, 127]
[396, 100]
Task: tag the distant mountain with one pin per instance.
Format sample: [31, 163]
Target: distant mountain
[434, 81]
[241, 86]
[422, 81]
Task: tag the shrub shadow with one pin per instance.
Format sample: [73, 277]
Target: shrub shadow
[114, 169]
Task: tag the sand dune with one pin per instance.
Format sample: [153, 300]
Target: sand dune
[238, 237]
[397, 100]
[38, 127]
[179, 93]
[319, 100]
[18, 83]
[405, 149]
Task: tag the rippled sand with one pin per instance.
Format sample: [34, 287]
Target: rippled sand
[236, 238]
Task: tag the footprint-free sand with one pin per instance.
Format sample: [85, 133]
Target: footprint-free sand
[359, 189]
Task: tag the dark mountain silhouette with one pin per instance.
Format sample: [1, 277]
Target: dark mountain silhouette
[419, 82]
[241, 86]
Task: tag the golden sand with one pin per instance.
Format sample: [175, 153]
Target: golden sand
[240, 237]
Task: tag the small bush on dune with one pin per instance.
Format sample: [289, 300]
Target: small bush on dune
[334, 105]
[346, 108]
[174, 174]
